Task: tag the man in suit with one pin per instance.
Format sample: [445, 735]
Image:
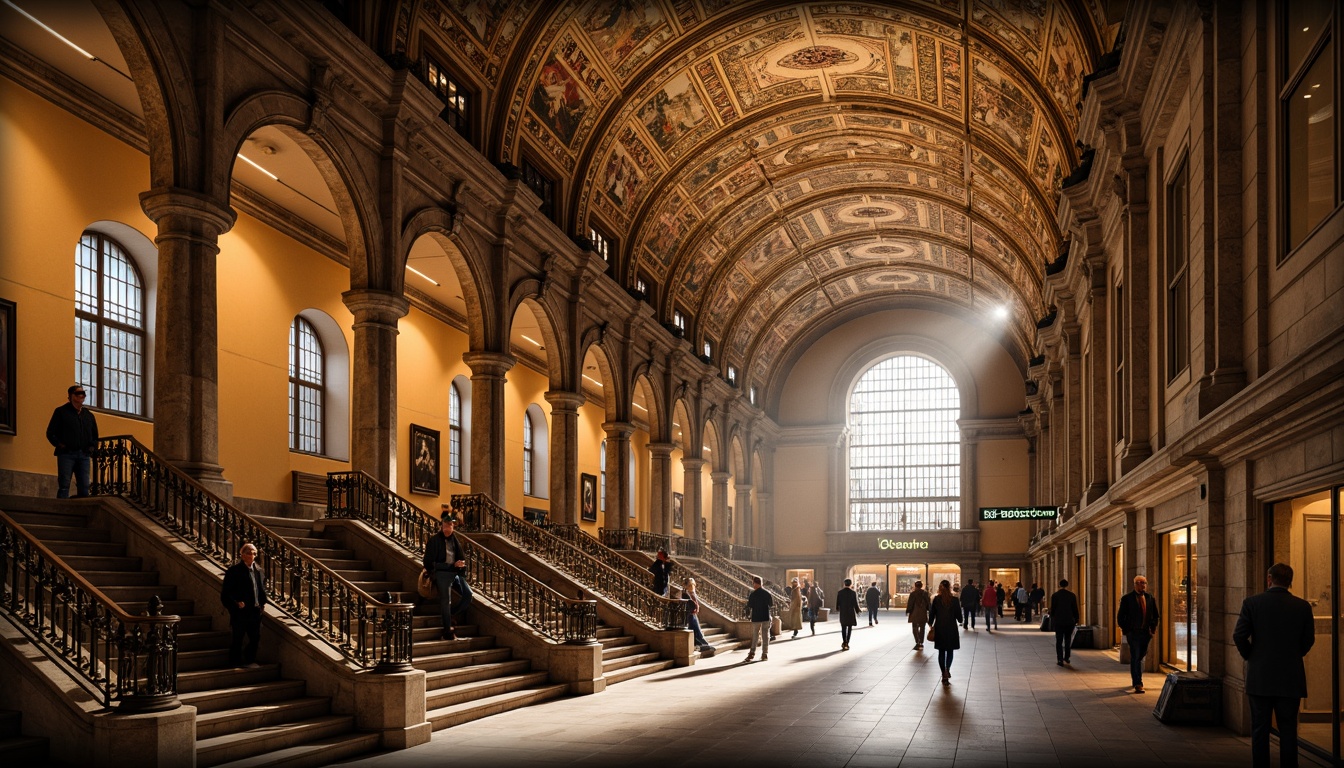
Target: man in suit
[1063, 618]
[1273, 633]
[1137, 619]
[244, 595]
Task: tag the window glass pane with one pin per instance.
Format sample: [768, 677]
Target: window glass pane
[527, 454]
[109, 326]
[1305, 20]
[454, 434]
[1311, 148]
[306, 393]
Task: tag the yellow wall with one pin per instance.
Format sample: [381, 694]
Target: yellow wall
[60, 175]
[801, 481]
[429, 357]
[1003, 481]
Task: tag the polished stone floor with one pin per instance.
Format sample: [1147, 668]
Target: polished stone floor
[878, 704]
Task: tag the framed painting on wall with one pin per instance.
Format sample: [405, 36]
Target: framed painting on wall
[677, 521]
[424, 460]
[8, 341]
[588, 498]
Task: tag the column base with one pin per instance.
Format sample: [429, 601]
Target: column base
[209, 475]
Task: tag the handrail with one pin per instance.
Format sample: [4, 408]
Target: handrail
[130, 660]
[482, 514]
[358, 496]
[633, 538]
[364, 630]
[740, 551]
[714, 595]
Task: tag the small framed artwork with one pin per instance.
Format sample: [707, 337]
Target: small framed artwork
[588, 498]
[8, 343]
[677, 521]
[424, 460]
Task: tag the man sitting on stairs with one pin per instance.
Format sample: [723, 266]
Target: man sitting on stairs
[244, 595]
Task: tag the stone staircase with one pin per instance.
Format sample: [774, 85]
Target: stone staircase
[467, 678]
[245, 717]
[17, 750]
[624, 659]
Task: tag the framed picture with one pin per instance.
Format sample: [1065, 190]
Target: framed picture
[677, 521]
[424, 460]
[588, 498]
[8, 344]
[534, 516]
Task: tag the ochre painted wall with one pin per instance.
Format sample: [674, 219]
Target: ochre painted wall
[1003, 481]
[801, 483]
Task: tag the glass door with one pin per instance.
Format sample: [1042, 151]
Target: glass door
[1080, 587]
[1180, 598]
[1118, 590]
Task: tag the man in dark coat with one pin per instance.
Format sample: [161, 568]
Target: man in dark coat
[758, 610]
[661, 568]
[970, 604]
[446, 563]
[872, 598]
[1137, 618]
[1063, 618]
[244, 595]
[1273, 633]
[73, 432]
[847, 606]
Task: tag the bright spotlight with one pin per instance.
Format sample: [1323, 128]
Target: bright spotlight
[1001, 312]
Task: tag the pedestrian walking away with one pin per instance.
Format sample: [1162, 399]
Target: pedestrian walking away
[815, 600]
[1020, 597]
[1137, 618]
[970, 603]
[945, 620]
[1063, 618]
[872, 598]
[758, 610]
[793, 620]
[989, 601]
[1274, 631]
[847, 605]
[917, 613]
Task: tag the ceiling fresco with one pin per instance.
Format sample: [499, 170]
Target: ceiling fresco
[768, 164]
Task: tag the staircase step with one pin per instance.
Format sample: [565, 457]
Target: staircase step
[624, 662]
[345, 564]
[90, 563]
[236, 746]
[87, 548]
[319, 542]
[20, 751]
[256, 715]
[324, 554]
[640, 670]
[482, 689]
[613, 641]
[359, 574]
[124, 594]
[464, 658]
[212, 679]
[620, 652]
[119, 578]
[435, 647]
[605, 632]
[314, 753]
[218, 699]
[457, 714]
[378, 589]
[206, 640]
[445, 678]
[195, 623]
[62, 519]
[210, 658]
[49, 533]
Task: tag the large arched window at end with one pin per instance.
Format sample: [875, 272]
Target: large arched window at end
[904, 447]
[459, 429]
[111, 313]
[307, 392]
[535, 452]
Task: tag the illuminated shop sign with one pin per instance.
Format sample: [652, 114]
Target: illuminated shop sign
[893, 544]
[1019, 513]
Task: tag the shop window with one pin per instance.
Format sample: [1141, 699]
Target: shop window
[1180, 596]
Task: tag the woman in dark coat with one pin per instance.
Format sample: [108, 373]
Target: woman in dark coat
[945, 619]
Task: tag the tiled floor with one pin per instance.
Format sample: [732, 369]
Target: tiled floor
[879, 704]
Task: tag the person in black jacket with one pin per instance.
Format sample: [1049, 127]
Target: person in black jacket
[1137, 618]
[244, 595]
[661, 568]
[872, 598]
[1273, 633]
[758, 606]
[970, 604]
[847, 606]
[73, 432]
[1063, 618]
[446, 562]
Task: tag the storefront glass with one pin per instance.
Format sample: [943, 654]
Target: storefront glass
[1006, 576]
[940, 571]
[1118, 590]
[1180, 598]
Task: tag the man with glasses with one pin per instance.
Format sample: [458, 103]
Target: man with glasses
[244, 595]
[1137, 618]
[73, 432]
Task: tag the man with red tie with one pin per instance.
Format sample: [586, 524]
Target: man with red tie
[1137, 618]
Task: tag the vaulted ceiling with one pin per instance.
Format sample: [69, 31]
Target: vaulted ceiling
[768, 166]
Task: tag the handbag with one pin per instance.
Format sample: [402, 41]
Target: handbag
[426, 586]
[930, 637]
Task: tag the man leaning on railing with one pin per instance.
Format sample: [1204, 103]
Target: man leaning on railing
[446, 561]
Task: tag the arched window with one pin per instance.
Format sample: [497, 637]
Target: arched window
[454, 433]
[110, 349]
[306, 392]
[529, 454]
[602, 478]
[904, 447]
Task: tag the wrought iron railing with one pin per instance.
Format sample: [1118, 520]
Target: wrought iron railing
[129, 661]
[366, 631]
[481, 514]
[357, 496]
[740, 552]
[633, 538]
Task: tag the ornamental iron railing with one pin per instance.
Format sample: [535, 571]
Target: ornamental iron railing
[633, 538]
[594, 573]
[358, 496]
[123, 660]
[740, 552]
[365, 631]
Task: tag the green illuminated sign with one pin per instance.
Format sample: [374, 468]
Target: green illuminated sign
[1019, 513]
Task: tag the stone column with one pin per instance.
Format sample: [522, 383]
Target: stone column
[186, 344]
[970, 473]
[487, 422]
[373, 390]
[564, 455]
[660, 488]
[1137, 341]
[694, 476]
[743, 529]
[1096, 447]
[617, 514]
[719, 502]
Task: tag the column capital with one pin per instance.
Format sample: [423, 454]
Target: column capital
[743, 487]
[693, 464]
[618, 430]
[374, 307]
[564, 402]
[488, 363]
[720, 477]
[172, 208]
[662, 450]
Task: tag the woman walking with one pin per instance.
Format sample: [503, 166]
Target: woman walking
[793, 620]
[693, 612]
[917, 613]
[945, 620]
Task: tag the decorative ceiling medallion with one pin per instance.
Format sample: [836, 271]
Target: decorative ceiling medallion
[817, 57]
[873, 212]
[870, 212]
[882, 251]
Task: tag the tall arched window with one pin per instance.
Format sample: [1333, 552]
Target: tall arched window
[529, 455]
[454, 433]
[306, 392]
[109, 325]
[602, 478]
[904, 447]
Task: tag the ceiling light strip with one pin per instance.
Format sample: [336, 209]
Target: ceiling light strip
[65, 39]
